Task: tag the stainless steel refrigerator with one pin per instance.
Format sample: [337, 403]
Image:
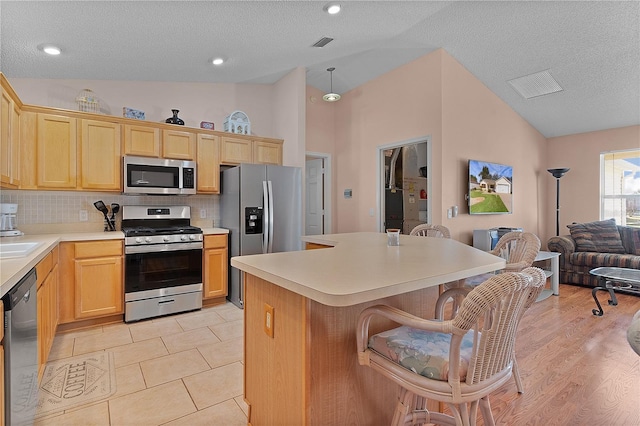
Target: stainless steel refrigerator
[261, 205]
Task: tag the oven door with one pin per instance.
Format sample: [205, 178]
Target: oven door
[162, 268]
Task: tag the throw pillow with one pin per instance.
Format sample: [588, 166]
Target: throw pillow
[601, 236]
[630, 239]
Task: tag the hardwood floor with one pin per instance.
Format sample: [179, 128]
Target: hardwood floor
[577, 369]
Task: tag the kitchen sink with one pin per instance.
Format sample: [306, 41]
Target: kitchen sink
[9, 250]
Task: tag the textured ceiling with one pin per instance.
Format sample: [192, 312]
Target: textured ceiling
[591, 48]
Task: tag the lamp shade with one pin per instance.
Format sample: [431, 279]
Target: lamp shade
[331, 96]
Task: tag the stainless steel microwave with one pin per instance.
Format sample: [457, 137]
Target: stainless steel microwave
[144, 175]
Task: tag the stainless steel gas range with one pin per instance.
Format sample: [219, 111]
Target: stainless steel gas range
[163, 261]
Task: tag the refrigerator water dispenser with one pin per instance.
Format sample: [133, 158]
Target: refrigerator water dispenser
[253, 220]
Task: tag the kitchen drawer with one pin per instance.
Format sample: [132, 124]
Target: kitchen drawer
[98, 249]
[215, 241]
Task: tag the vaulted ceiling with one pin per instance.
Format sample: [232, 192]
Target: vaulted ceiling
[592, 49]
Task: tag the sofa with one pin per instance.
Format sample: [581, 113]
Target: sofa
[592, 245]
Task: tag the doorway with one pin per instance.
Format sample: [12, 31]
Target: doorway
[317, 193]
[404, 184]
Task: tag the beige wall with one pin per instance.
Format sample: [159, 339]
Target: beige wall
[435, 95]
[320, 136]
[580, 187]
[401, 105]
[289, 116]
[478, 125]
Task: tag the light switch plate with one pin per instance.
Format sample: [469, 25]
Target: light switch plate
[268, 320]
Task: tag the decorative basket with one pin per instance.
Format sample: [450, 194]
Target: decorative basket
[88, 101]
[237, 122]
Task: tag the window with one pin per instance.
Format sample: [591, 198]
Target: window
[620, 187]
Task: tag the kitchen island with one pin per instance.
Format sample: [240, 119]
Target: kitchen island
[301, 311]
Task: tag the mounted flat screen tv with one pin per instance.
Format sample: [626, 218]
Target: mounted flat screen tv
[490, 188]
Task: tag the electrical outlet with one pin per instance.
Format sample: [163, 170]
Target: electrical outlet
[84, 216]
[268, 319]
[203, 213]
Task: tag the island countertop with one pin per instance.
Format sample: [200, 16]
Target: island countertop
[360, 267]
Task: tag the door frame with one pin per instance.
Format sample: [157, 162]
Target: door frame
[327, 186]
[380, 176]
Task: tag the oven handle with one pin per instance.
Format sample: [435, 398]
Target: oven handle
[157, 248]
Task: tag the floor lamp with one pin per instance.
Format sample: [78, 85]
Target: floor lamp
[558, 173]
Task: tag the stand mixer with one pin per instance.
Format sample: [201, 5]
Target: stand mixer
[8, 220]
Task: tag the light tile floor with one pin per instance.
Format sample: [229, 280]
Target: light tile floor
[183, 369]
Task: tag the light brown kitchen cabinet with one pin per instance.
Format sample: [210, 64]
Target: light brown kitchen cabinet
[215, 266]
[141, 140]
[47, 306]
[235, 150]
[9, 137]
[100, 156]
[178, 144]
[267, 152]
[91, 280]
[56, 151]
[208, 163]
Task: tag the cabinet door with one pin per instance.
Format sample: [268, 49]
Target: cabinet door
[98, 287]
[215, 272]
[6, 105]
[267, 153]
[236, 150]
[15, 146]
[56, 151]
[42, 308]
[178, 144]
[141, 140]
[100, 158]
[208, 164]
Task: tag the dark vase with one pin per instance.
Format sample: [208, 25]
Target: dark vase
[175, 119]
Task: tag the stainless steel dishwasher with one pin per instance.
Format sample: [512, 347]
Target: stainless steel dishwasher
[21, 352]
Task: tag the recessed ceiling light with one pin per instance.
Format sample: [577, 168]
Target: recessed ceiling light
[217, 61]
[51, 50]
[332, 8]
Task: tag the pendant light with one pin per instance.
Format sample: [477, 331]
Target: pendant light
[331, 97]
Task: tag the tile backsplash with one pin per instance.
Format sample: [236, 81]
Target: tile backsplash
[59, 211]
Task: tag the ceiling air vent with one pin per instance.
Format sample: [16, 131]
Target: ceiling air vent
[536, 84]
[322, 42]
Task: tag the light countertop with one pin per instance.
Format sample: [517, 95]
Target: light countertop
[360, 267]
[13, 269]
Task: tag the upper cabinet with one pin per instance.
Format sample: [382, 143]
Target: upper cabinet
[178, 144]
[267, 151]
[9, 137]
[236, 150]
[208, 164]
[141, 140]
[56, 151]
[100, 155]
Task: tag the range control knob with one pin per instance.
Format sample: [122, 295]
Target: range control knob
[165, 238]
[147, 239]
[138, 240]
[183, 237]
[192, 237]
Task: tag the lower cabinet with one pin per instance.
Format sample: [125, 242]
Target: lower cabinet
[47, 306]
[92, 280]
[215, 266]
